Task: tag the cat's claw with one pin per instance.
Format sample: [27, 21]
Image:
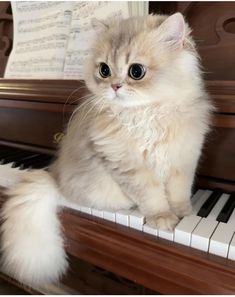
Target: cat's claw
[166, 221]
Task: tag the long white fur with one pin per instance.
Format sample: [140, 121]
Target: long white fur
[155, 132]
[32, 245]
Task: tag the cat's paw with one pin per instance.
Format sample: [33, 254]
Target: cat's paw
[166, 221]
[182, 209]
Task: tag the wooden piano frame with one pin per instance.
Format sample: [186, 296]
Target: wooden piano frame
[155, 263]
[33, 112]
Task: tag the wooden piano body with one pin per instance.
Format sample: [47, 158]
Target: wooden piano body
[33, 114]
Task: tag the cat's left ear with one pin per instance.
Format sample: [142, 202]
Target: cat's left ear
[172, 30]
[99, 25]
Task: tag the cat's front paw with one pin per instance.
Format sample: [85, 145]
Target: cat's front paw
[165, 221]
[182, 209]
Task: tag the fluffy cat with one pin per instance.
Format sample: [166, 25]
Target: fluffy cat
[134, 143]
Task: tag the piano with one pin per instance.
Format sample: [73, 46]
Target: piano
[116, 253]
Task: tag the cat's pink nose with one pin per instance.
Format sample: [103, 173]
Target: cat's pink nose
[116, 86]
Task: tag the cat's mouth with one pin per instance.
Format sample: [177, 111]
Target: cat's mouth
[117, 96]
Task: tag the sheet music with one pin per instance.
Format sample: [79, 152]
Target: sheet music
[82, 34]
[41, 31]
[52, 39]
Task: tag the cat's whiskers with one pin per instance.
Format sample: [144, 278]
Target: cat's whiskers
[93, 100]
[70, 96]
[79, 107]
[92, 108]
[80, 98]
[101, 108]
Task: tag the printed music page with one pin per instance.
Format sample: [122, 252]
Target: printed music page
[41, 30]
[82, 34]
[52, 39]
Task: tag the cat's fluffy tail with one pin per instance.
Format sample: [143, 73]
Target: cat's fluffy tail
[31, 241]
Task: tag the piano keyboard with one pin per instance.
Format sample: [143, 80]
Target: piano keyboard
[209, 228]
[14, 161]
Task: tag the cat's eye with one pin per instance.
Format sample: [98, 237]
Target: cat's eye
[104, 70]
[137, 71]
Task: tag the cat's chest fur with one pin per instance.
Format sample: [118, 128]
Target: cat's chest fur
[139, 137]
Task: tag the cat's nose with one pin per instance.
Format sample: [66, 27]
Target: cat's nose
[116, 86]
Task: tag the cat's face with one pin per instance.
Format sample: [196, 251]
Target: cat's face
[133, 60]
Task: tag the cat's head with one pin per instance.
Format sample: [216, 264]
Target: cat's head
[141, 60]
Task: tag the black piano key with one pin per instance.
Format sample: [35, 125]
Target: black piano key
[43, 159]
[14, 157]
[8, 154]
[4, 149]
[227, 210]
[30, 161]
[20, 161]
[23, 158]
[41, 164]
[209, 204]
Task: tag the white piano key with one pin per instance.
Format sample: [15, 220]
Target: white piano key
[137, 220]
[202, 233]
[122, 217]
[169, 235]
[183, 231]
[109, 215]
[85, 209]
[231, 253]
[220, 240]
[198, 204]
[97, 213]
[150, 230]
[206, 227]
[219, 243]
[218, 207]
[196, 196]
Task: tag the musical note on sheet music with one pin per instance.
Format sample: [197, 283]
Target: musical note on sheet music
[82, 34]
[24, 6]
[41, 34]
[37, 65]
[52, 39]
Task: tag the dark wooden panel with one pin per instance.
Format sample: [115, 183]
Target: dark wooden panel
[222, 94]
[9, 286]
[208, 182]
[87, 279]
[31, 126]
[155, 263]
[48, 91]
[213, 25]
[218, 159]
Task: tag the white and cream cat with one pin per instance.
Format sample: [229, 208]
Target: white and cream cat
[134, 143]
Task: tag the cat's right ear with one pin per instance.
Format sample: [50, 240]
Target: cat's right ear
[172, 30]
[99, 25]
